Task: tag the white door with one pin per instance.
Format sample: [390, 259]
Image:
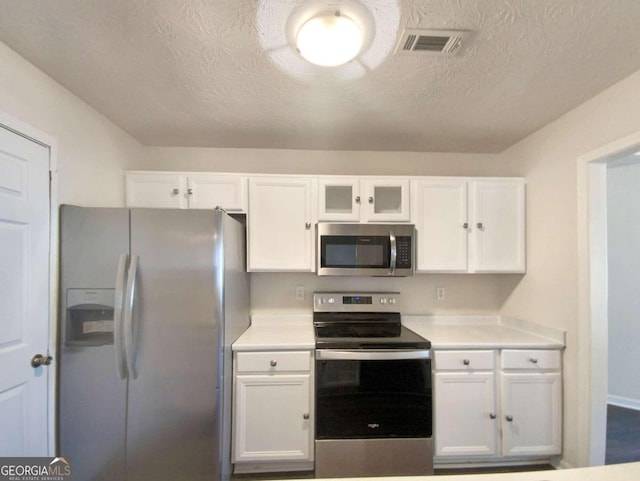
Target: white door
[161, 190]
[339, 199]
[497, 208]
[385, 200]
[440, 216]
[24, 295]
[531, 414]
[273, 418]
[281, 224]
[465, 408]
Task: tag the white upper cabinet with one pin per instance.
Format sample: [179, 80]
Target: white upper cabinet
[442, 238]
[206, 191]
[350, 199]
[186, 190]
[498, 221]
[281, 224]
[155, 189]
[469, 225]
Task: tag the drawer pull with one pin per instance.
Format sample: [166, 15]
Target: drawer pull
[273, 363]
[533, 360]
[466, 362]
[509, 418]
[305, 416]
[493, 416]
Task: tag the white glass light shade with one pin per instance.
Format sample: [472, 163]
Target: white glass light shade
[329, 40]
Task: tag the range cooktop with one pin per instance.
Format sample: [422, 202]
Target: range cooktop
[362, 321]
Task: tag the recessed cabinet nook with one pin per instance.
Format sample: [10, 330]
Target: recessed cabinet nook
[463, 224]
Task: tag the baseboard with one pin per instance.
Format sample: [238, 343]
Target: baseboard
[624, 402]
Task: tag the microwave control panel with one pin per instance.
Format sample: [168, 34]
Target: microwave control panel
[403, 252]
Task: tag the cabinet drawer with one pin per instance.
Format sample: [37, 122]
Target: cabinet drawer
[530, 359]
[464, 360]
[273, 361]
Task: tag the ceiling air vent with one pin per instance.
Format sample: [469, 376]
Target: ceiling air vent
[434, 42]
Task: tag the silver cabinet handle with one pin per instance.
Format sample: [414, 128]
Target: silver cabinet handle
[509, 418]
[273, 363]
[129, 338]
[40, 360]
[175, 191]
[307, 225]
[370, 200]
[466, 362]
[480, 225]
[189, 191]
[465, 225]
[118, 317]
[357, 199]
[492, 416]
[533, 360]
[305, 416]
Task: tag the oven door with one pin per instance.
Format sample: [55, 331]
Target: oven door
[373, 394]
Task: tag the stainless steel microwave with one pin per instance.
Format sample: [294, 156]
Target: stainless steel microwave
[365, 249]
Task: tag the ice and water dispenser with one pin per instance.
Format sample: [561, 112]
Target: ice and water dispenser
[89, 317]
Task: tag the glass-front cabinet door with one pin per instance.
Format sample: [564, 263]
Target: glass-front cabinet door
[339, 199]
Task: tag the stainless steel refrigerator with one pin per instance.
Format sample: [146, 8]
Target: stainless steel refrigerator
[150, 303]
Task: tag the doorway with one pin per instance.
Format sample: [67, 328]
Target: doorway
[593, 285]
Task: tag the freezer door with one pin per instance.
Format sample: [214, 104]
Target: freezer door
[176, 338]
[91, 395]
[236, 318]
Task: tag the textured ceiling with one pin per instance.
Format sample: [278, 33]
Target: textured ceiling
[204, 73]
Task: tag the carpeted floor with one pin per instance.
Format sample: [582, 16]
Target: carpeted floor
[623, 435]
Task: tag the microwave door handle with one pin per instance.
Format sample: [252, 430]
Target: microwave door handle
[393, 253]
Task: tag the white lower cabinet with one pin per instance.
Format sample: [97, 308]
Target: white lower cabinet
[486, 413]
[273, 426]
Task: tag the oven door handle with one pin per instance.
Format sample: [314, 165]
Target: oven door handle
[372, 355]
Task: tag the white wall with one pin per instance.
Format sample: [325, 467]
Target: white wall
[623, 244]
[92, 151]
[548, 294]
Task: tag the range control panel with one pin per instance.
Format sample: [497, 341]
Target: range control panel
[356, 302]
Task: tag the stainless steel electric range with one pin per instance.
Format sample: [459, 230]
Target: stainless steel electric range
[373, 388]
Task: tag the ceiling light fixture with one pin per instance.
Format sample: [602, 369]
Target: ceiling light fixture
[329, 39]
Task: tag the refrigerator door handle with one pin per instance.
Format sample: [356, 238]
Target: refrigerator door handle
[129, 338]
[117, 316]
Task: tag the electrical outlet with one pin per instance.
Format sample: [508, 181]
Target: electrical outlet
[299, 293]
[440, 293]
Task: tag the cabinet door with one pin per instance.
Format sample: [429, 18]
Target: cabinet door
[385, 200]
[465, 414]
[209, 191]
[531, 414]
[281, 226]
[339, 199]
[498, 225]
[160, 190]
[273, 418]
[440, 214]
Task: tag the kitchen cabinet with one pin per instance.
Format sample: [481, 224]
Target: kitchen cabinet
[469, 225]
[179, 190]
[465, 403]
[281, 224]
[531, 402]
[369, 199]
[273, 416]
[473, 422]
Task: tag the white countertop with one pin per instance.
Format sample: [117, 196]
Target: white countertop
[483, 332]
[614, 472]
[290, 332]
[280, 332]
